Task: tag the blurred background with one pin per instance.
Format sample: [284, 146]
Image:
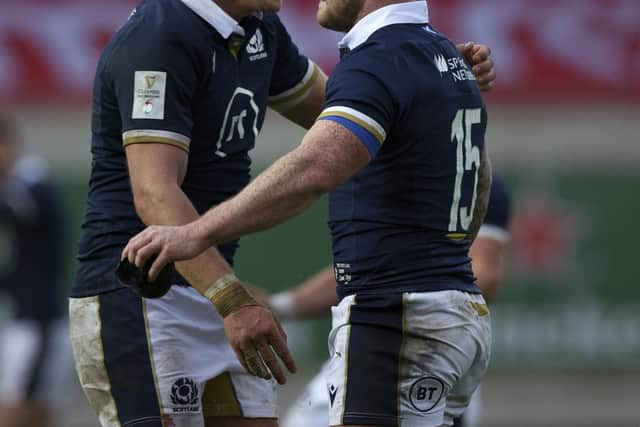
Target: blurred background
[564, 131]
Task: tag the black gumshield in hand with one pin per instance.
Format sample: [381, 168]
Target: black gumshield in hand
[137, 278]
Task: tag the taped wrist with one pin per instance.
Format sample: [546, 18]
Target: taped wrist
[284, 305]
[228, 295]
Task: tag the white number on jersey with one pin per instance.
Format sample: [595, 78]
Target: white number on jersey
[466, 160]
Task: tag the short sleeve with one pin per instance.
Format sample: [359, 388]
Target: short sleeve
[293, 73]
[358, 99]
[496, 221]
[154, 81]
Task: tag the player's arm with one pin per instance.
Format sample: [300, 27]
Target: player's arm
[156, 173]
[313, 297]
[483, 192]
[488, 250]
[487, 257]
[297, 86]
[328, 156]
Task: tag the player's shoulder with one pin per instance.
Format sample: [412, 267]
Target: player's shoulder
[392, 51]
[154, 25]
[270, 23]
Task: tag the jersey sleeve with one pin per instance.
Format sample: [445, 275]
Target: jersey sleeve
[293, 73]
[358, 99]
[154, 81]
[496, 221]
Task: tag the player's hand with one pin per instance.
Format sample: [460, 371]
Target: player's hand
[256, 337]
[169, 243]
[479, 56]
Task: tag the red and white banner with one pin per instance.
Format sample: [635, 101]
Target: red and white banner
[552, 50]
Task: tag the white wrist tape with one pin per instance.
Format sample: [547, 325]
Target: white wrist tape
[283, 304]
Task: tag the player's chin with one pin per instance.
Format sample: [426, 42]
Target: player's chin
[271, 5]
[327, 20]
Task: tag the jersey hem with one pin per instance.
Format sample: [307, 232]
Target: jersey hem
[343, 291]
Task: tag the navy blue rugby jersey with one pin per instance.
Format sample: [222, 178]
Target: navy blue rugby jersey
[496, 221]
[173, 74]
[31, 231]
[400, 224]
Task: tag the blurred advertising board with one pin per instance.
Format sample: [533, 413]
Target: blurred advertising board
[570, 297]
[545, 49]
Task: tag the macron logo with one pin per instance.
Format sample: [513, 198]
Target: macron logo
[441, 63]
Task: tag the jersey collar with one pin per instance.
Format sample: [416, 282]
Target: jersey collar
[411, 12]
[216, 17]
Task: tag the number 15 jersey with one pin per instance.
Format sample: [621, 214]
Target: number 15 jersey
[401, 223]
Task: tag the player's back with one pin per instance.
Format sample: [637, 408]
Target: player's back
[402, 222]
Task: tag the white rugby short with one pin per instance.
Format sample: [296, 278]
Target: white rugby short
[407, 360]
[35, 362]
[161, 362]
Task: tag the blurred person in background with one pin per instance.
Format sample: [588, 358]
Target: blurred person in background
[316, 296]
[35, 353]
[174, 116]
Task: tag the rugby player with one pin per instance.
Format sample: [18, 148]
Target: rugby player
[400, 146]
[35, 355]
[315, 296]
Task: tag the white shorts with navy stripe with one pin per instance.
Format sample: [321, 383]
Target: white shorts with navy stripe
[159, 362]
[406, 360]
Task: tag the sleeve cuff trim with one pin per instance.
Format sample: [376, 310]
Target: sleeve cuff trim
[141, 136]
[359, 118]
[291, 97]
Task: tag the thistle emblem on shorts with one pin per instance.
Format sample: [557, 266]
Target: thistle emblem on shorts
[184, 392]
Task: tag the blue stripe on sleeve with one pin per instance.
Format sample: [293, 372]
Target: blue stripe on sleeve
[366, 137]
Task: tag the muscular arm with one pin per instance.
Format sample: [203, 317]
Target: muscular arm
[156, 172]
[483, 192]
[328, 156]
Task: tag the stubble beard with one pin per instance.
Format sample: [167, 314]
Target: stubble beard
[339, 15]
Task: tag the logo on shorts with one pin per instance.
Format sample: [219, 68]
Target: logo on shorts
[425, 393]
[184, 392]
[333, 390]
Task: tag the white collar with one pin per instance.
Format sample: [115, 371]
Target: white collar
[410, 12]
[215, 16]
